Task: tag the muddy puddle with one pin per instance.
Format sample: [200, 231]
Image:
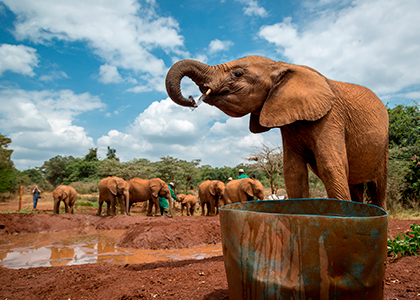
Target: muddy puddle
[86, 246]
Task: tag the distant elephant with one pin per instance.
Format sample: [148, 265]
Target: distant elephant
[144, 189]
[187, 201]
[339, 129]
[244, 189]
[211, 193]
[109, 189]
[68, 195]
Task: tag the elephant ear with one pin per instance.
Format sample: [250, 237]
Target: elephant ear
[298, 93]
[112, 186]
[155, 186]
[212, 189]
[246, 186]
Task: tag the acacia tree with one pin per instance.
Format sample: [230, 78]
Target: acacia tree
[269, 159]
[8, 172]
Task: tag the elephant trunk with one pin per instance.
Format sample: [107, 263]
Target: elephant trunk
[195, 70]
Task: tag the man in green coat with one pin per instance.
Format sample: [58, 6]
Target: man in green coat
[163, 203]
[242, 174]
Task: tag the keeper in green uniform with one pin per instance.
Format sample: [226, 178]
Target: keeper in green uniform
[163, 202]
[242, 174]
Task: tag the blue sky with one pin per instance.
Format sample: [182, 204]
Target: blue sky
[83, 74]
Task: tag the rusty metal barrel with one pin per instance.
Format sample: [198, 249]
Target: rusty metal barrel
[304, 249]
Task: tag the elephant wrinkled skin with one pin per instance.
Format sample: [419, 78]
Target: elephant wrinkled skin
[68, 195]
[187, 201]
[244, 189]
[211, 193]
[144, 189]
[109, 189]
[339, 129]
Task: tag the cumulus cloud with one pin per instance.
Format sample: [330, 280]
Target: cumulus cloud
[109, 74]
[252, 8]
[18, 58]
[123, 33]
[218, 45]
[205, 133]
[373, 43]
[41, 123]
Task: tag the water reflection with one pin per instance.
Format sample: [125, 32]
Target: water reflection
[28, 250]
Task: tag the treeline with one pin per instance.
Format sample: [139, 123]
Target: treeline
[266, 164]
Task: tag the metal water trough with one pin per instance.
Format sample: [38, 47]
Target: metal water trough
[304, 249]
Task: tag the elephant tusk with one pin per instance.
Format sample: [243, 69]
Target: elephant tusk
[208, 92]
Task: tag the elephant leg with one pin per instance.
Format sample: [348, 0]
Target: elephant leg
[334, 175]
[188, 209]
[295, 176]
[212, 207]
[170, 201]
[99, 207]
[192, 209]
[182, 209]
[57, 206]
[122, 206]
[108, 208]
[66, 206]
[377, 192]
[150, 207]
[202, 208]
[356, 192]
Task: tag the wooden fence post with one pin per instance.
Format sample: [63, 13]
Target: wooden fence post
[20, 198]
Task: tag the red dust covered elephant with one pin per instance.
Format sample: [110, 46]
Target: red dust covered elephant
[339, 129]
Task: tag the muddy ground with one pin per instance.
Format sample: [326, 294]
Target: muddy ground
[187, 279]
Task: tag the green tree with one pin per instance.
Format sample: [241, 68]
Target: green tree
[111, 154]
[8, 172]
[92, 155]
[404, 126]
[54, 169]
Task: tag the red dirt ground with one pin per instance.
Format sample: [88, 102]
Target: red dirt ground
[187, 279]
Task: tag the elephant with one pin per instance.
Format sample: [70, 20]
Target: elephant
[241, 190]
[109, 189]
[144, 189]
[187, 201]
[211, 193]
[339, 130]
[68, 195]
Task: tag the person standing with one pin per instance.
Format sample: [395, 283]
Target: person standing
[242, 174]
[163, 203]
[36, 195]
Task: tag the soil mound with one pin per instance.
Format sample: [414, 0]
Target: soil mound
[171, 235]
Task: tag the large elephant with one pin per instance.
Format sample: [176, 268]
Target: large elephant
[187, 201]
[109, 189]
[144, 189]
[211, 193]
[244, 189]
[68, 195]
[339, 129]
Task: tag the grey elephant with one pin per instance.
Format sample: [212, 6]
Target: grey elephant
[339, 129]
[211, 193]
[68, 195]
[244, 189]
[188, 202]
[111, 188]
[149, 189]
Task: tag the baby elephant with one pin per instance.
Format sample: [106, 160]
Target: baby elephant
[188, 201]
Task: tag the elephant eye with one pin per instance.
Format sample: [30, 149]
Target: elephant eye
[237, 73]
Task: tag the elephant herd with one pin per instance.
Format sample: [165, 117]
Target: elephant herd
[212, 194]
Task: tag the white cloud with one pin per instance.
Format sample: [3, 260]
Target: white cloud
[372, 43]
[18, 58]
[253, 9]
[122, 33]
[206, 133]
[218, 45]
[41, 126]
[109, 74]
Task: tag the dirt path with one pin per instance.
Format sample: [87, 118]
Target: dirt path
[187, 279]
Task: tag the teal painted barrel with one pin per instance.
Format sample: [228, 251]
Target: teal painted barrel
[304, 249]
